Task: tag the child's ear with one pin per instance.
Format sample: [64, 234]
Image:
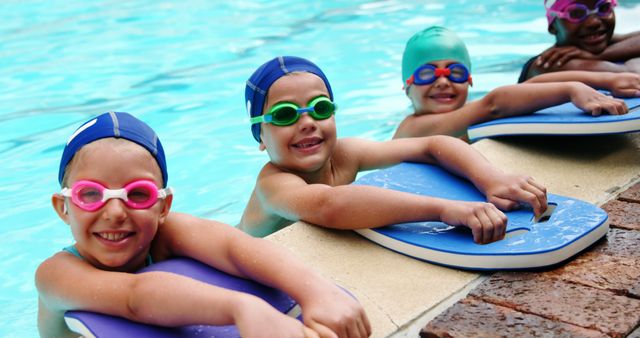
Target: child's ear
[165, 208]
[262, 147]
[60, 207]
[552, 28]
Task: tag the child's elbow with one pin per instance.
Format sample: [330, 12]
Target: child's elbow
[330, 210]
[491, 102]
[137, 298]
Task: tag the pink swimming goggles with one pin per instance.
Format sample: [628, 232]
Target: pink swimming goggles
[577, 12]
[91, 196]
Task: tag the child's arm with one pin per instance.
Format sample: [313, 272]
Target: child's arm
[356, 206]
[577, 59]
[624, 48]
[619, 84]
[325, 307]
[66, 282]
[524, 98]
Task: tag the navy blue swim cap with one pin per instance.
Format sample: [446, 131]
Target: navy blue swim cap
[255, 93]
[118, 125]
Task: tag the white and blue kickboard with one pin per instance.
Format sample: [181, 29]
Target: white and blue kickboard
[91, 324]
[567, 227]
[565, 119]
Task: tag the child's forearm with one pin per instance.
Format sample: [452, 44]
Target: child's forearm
[357, 207]
[593, 79]
[527, 98]
[622, 50]
[269, 264]
[171, 300]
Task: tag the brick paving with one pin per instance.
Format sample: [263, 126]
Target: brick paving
[597, 294]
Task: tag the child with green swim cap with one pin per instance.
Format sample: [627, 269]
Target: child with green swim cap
[310, 171]
[436, 70]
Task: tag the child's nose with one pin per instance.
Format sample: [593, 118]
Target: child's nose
[114, 210]
[442, 81]
[307, 123]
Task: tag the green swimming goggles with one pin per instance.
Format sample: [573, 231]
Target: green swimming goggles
[287, 113]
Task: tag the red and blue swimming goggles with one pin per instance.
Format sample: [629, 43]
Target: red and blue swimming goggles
[428, 74]
[577, 12]
[91, 196]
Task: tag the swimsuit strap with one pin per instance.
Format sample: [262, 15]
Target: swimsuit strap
[72, 250]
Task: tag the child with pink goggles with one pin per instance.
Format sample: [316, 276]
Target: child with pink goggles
[91, 196]
[577, 12]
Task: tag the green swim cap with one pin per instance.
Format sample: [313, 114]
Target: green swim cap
[433, 44]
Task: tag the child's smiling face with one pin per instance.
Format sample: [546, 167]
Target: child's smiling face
[114, 237]
[441, 96]
[308, 144]
[593, 34]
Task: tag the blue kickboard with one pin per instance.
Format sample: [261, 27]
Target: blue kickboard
[564, 119]
[92, 324]
[572, 226]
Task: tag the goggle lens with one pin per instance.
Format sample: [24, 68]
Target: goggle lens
[284, 115]
[323, 108]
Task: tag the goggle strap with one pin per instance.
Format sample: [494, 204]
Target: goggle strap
[163, 193]
[257, 119]
[66, 192]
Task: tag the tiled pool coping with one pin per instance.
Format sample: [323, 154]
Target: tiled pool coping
[597, 294]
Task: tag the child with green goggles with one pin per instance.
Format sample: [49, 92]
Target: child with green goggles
[436, 71]
[310, 171]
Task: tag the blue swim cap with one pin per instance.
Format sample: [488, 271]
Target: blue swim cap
[118, 125]
[255, 93]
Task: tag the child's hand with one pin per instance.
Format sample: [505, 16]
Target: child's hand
[487, 223]
[594, 102]
[558, 56]
[507, 191]
[257, 318]
[333, 313]
[625, 85]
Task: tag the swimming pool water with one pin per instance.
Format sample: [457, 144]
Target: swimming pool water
[181, 67]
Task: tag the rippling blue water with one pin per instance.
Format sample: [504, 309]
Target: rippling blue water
[181, 67]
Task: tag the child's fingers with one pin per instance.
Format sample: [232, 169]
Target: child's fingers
[323, 331]
[541, 197]
[309, 333]
[596, 110]
[487, 226]
[503, 203]
[566, 57]
[357, 330]
[541, 188]
[615, 107]
[476, 230]
[364, 324]
[499, 221]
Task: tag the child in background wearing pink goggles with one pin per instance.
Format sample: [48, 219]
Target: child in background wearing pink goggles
[116, 202]
[585, 40]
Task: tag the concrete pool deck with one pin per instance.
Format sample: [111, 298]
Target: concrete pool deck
[400, 294]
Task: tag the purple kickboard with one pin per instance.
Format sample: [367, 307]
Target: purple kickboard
[101, 325]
